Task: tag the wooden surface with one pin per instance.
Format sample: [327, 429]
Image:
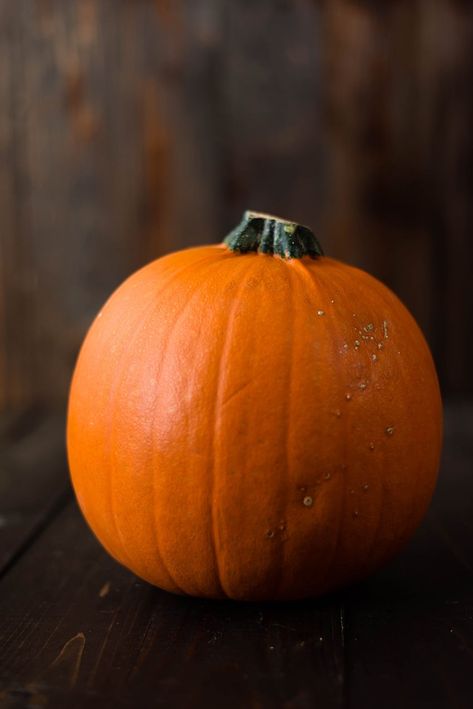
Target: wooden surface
[79, 631]
[128, 129]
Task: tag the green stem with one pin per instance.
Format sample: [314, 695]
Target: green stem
[272, 235]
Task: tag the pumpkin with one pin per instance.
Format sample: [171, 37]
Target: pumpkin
[254, 420]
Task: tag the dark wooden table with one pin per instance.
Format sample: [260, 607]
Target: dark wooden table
[78, 631]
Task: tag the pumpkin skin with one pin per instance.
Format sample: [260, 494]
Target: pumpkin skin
[253, 427]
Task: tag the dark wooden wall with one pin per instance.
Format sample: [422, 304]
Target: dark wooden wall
[130, 128]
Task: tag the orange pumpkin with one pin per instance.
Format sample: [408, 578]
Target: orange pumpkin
[254, 420]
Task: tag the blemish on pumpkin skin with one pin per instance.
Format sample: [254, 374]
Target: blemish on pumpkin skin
[389, 430]
[371, 446]
[269, 533]
[365, 487]
[348, 397]
[308, 501]
[385, 329]
[355, 514]
[327, 476]
[320, 312]
[369, 327]
[283, 535]
[252, 283]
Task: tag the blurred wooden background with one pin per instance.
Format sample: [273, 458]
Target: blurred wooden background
[129, 128]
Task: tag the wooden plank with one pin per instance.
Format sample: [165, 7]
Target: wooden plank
[109, 144]
[447, 75]
[78, 630]
[33, 480]
[378, 198]
[410, 628]
[81, 137]
[18, 281]
[399, 188]
[272, 109]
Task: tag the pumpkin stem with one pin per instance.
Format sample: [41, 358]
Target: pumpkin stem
[272, 235]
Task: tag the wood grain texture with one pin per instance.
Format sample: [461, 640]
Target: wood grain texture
[272, 110]
[33, 480]
[399, 102]
[101, 106]
[379, 188]
[447, 76]
[78, 630]
[19, 364]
